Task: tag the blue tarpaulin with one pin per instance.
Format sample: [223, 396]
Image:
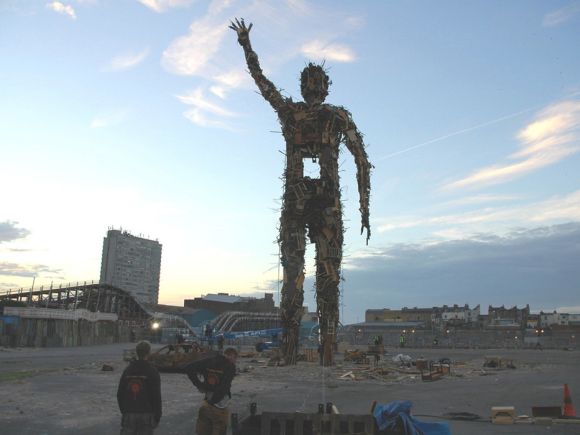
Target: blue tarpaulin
[398, 414]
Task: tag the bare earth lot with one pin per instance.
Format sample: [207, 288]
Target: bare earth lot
[63, 390]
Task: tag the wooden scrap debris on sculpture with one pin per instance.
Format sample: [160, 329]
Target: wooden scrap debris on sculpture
[311, 206]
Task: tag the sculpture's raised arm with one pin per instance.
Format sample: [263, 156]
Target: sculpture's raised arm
[355, 144]
[267, 88]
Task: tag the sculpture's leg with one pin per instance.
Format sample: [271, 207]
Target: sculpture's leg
[328, 259]
[292, 246]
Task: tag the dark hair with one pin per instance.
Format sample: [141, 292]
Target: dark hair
[143, 348]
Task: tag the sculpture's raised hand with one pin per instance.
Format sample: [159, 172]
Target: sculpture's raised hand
[243, 32]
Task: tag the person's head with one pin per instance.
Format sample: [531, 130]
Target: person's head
[143, 349]
[231, 354]
[314, 84]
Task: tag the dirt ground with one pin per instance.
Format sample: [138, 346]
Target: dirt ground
[63, 390]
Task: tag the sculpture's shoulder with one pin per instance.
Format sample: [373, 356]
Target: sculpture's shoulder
[342, 113]
[341, 116]
[288, 108]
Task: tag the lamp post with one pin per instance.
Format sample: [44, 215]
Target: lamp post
[156, 328]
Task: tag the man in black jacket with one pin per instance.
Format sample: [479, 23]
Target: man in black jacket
[217, 373]
[139, 394]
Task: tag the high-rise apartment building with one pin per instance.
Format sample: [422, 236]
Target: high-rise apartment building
[133, 264]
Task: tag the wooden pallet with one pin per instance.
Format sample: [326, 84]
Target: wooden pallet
[282, 423]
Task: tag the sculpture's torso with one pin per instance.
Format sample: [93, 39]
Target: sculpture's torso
[313, 133]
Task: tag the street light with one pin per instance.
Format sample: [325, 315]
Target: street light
[155, 325]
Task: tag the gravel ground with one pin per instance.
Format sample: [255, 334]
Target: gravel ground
[64, 391]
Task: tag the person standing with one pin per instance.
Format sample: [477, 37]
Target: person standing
[217, 373]
[139, 394]
[402, 340]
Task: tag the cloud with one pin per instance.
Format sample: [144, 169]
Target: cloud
[190, 54]
[7, 285]
[560, 16]
[321, 50]
[218, 91]
[538, 266]
[201, 107]
[553, 210]
[228, 81]
[164, 5]
[108, 119]
[127, 61]
[456, 133]
[9, 231]
[574, 309]
[479, 199]
[62, 9]
[550, 138]
[26, 270]
[299, 6]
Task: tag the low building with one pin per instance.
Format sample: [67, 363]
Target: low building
[508, 317]
[558, 319]
[422, 315]
[459, 317]
[533, 321]
[219, 303]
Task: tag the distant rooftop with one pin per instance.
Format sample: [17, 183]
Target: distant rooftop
[174, 309]
[223, 297]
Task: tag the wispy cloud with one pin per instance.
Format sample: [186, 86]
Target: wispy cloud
[9, 231]
[553, 210]
[550, 138]
[108, 119]
[479, 199]
[61, 8]
[570, 309]
[321, 50]
[190, 54]
[560, 16]
[228, 81]
[457, 133]
[164, 5]
[201, 107]
[7, 285]
[26, 270]
[218, 91]
[127, 61]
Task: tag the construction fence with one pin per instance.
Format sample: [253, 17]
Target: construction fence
[469, 339]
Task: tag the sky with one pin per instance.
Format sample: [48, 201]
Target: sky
[141, 115]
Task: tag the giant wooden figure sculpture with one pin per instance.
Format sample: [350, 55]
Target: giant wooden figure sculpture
[312, 130]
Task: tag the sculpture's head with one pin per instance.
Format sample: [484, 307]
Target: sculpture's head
[314, 84]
